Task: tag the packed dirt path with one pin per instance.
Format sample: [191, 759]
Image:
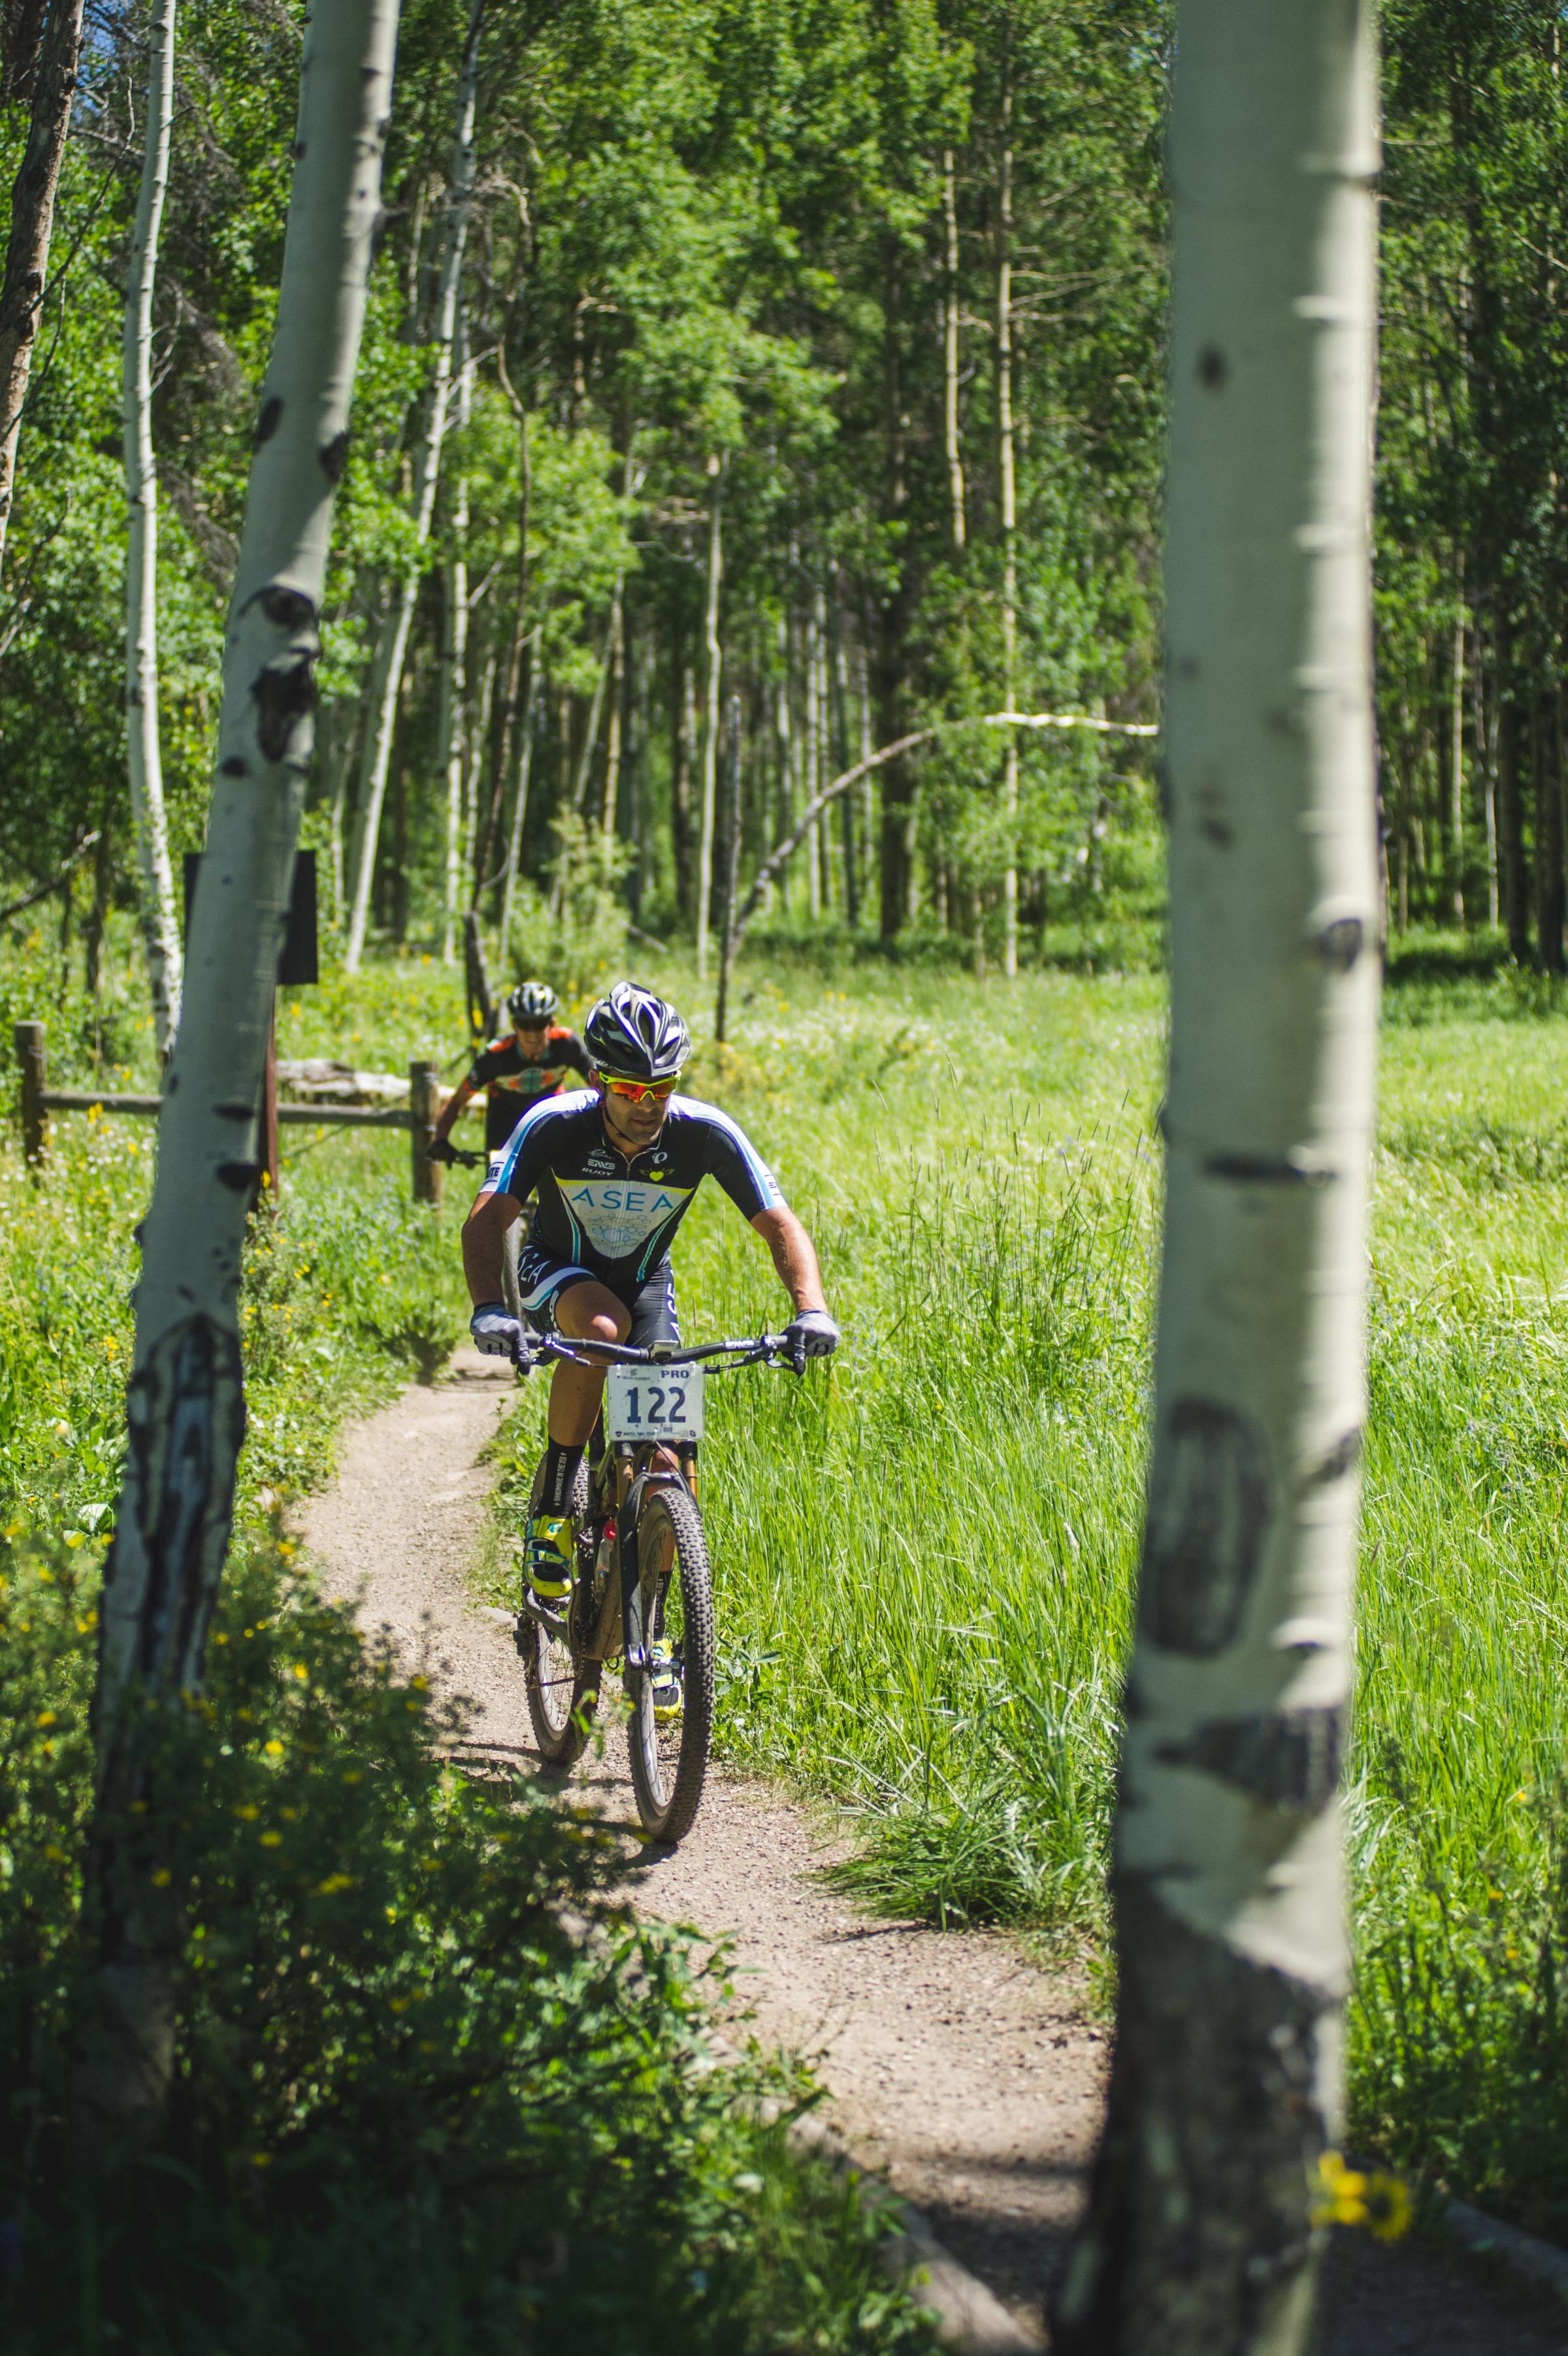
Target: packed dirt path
[954, 2067]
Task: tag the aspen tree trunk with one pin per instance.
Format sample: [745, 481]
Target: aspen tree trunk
[1456, 771]
[388, 676]
[616, 690]
[596, 705]
[840, 760]
[1512, 875]
[950, 356]
[1227, 1878]
[155, 877]
[455, 671]
[186, 1409]
[712, 668]
[32, 224]
[682, 735]
[1006, 493]
[812, 777]
[1548, 872]
[520, 800]
[896, 863]
[510, 708]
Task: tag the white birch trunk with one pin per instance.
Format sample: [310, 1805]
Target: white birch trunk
[454, 677]
[1008, 501]
[1456, 773]
[710, 715]
[155, 877]
[186, 1407]
[950, 360]
[813, 779]
[388, 675]
[1230, 1905]
[520, 799]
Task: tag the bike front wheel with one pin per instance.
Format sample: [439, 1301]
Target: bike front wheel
[671, 1723]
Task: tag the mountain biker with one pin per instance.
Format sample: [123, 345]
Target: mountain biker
[519, 1071]
[616, 1167]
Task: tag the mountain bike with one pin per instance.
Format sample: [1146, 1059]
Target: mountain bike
[642, 1578]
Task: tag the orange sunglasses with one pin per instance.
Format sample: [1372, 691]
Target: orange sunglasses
[638, 1091]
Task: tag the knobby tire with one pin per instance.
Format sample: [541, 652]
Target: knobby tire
[669, 1763]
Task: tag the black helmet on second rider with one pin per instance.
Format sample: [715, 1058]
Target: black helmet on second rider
[633, 1035]
[531, 1001]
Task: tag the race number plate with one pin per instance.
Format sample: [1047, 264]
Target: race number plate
[654, 1403]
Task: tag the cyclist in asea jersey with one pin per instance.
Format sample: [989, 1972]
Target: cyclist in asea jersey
[518, 1071]
[615, 1167]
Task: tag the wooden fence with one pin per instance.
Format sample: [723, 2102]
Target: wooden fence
[419, 1117]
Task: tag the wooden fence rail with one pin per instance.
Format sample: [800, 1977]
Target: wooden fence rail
[37, 1100]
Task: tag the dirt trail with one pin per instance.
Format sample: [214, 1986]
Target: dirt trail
[955, 2068]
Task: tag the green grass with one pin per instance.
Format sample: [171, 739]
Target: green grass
[435, 2089]
[925, 1554]
[925, 1557]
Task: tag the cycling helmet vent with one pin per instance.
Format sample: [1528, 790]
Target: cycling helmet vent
[634, 1035]
[532, 1001]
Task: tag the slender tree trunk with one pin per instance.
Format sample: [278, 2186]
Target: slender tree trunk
[1008, 506]
[32, 223]
[712, 668]
[155, 876]
[508, 714]
[455, 671]
[896, 848]
[616, 687]
[1228, 1882]
[956, 524]
[1512, 875]
[392, 649]
[1548, 874]
[1456, 770]
[682, 737]
[813, 777]
[728, 877]
[520, 799]
[185, 1410]
[840, 760]
[590, 745]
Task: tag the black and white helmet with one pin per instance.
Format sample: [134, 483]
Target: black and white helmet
[634, 1035]
[532, 1001]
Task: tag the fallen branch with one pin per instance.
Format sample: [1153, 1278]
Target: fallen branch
[785, 850]
[56, 882]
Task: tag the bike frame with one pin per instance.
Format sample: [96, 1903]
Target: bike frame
[633, 1481]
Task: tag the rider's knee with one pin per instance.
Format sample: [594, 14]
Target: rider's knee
[609, 1326]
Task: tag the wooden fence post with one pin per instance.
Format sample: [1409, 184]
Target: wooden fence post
[29, 1038]
[424, 1096]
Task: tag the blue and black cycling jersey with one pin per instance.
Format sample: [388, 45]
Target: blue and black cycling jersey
[612, 1216]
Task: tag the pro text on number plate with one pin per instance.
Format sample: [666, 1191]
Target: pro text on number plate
[654, 1403]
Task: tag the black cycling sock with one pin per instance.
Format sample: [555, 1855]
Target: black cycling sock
[561, 1465]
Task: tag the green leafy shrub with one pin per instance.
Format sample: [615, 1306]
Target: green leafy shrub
[436, 2087]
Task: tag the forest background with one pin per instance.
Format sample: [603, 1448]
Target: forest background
[804, 386]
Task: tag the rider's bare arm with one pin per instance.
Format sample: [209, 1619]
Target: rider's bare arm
[795, 1255]
[462, 1095]
[483, 1248]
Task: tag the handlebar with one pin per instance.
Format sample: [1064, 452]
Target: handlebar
[759, 1349]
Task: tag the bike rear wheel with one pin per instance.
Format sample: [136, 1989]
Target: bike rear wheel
[563, 1692]
[669, 1754]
